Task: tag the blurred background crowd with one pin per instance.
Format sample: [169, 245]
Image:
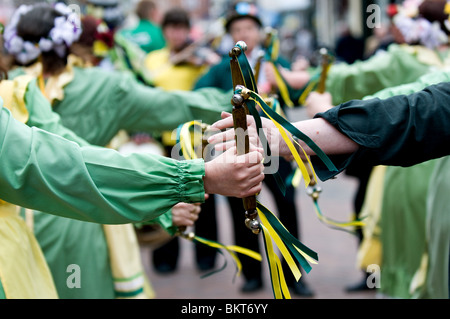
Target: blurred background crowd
[303, 25]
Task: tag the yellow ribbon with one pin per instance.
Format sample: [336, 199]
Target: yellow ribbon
[279, 285]
[189, 142]
[307, 91]
[287, 137]
[307, 257]
[281, 246]
[282, 87]
[354, 223]
[231, 249]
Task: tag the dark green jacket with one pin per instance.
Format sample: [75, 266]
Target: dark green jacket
[403, 130]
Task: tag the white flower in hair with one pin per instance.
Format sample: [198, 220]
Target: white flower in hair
[420, 31]
[29, 52]
[14, 44]
[432, 35]
[62, 8]
[72, 18]
[60, 33]
[45, 44]
[66, 30]
[408, 28]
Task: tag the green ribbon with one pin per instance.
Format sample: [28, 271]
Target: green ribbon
[293, 130]
[289, 240]
[247, 71]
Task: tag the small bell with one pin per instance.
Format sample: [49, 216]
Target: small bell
[255, 226]
[237, 99]
[247, 222]
[242, 45]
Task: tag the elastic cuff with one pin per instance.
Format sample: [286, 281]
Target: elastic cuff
[191, 186]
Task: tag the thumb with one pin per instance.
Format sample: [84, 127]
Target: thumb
[254, 157]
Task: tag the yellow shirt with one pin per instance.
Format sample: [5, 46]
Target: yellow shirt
[170, 77]
[24, 273]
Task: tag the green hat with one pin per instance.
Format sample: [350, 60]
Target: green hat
[240, 10]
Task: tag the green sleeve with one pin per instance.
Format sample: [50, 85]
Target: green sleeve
[347, 82]
[98, 104]
[165, 221]
[153, 109]
[46, 172]
[401, 130]
[43, 117]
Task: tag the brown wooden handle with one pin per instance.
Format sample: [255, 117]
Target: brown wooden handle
[239, 113]
[243, 147]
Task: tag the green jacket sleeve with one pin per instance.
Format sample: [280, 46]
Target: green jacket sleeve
[42, 116]
[153, 109]
[46, 172]
[98, 104]
[346, 82]
[402, 130]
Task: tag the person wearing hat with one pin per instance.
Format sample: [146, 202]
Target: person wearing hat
[243, 23]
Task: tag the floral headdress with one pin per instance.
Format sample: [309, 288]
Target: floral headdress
[66, 30]
[416, 29]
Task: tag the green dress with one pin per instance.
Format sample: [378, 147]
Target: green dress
[404, 214]
[436, 284]
[96, 105]
[394, 69]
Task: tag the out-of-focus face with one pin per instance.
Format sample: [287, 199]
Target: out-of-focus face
[176, 36]
[247, 30]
